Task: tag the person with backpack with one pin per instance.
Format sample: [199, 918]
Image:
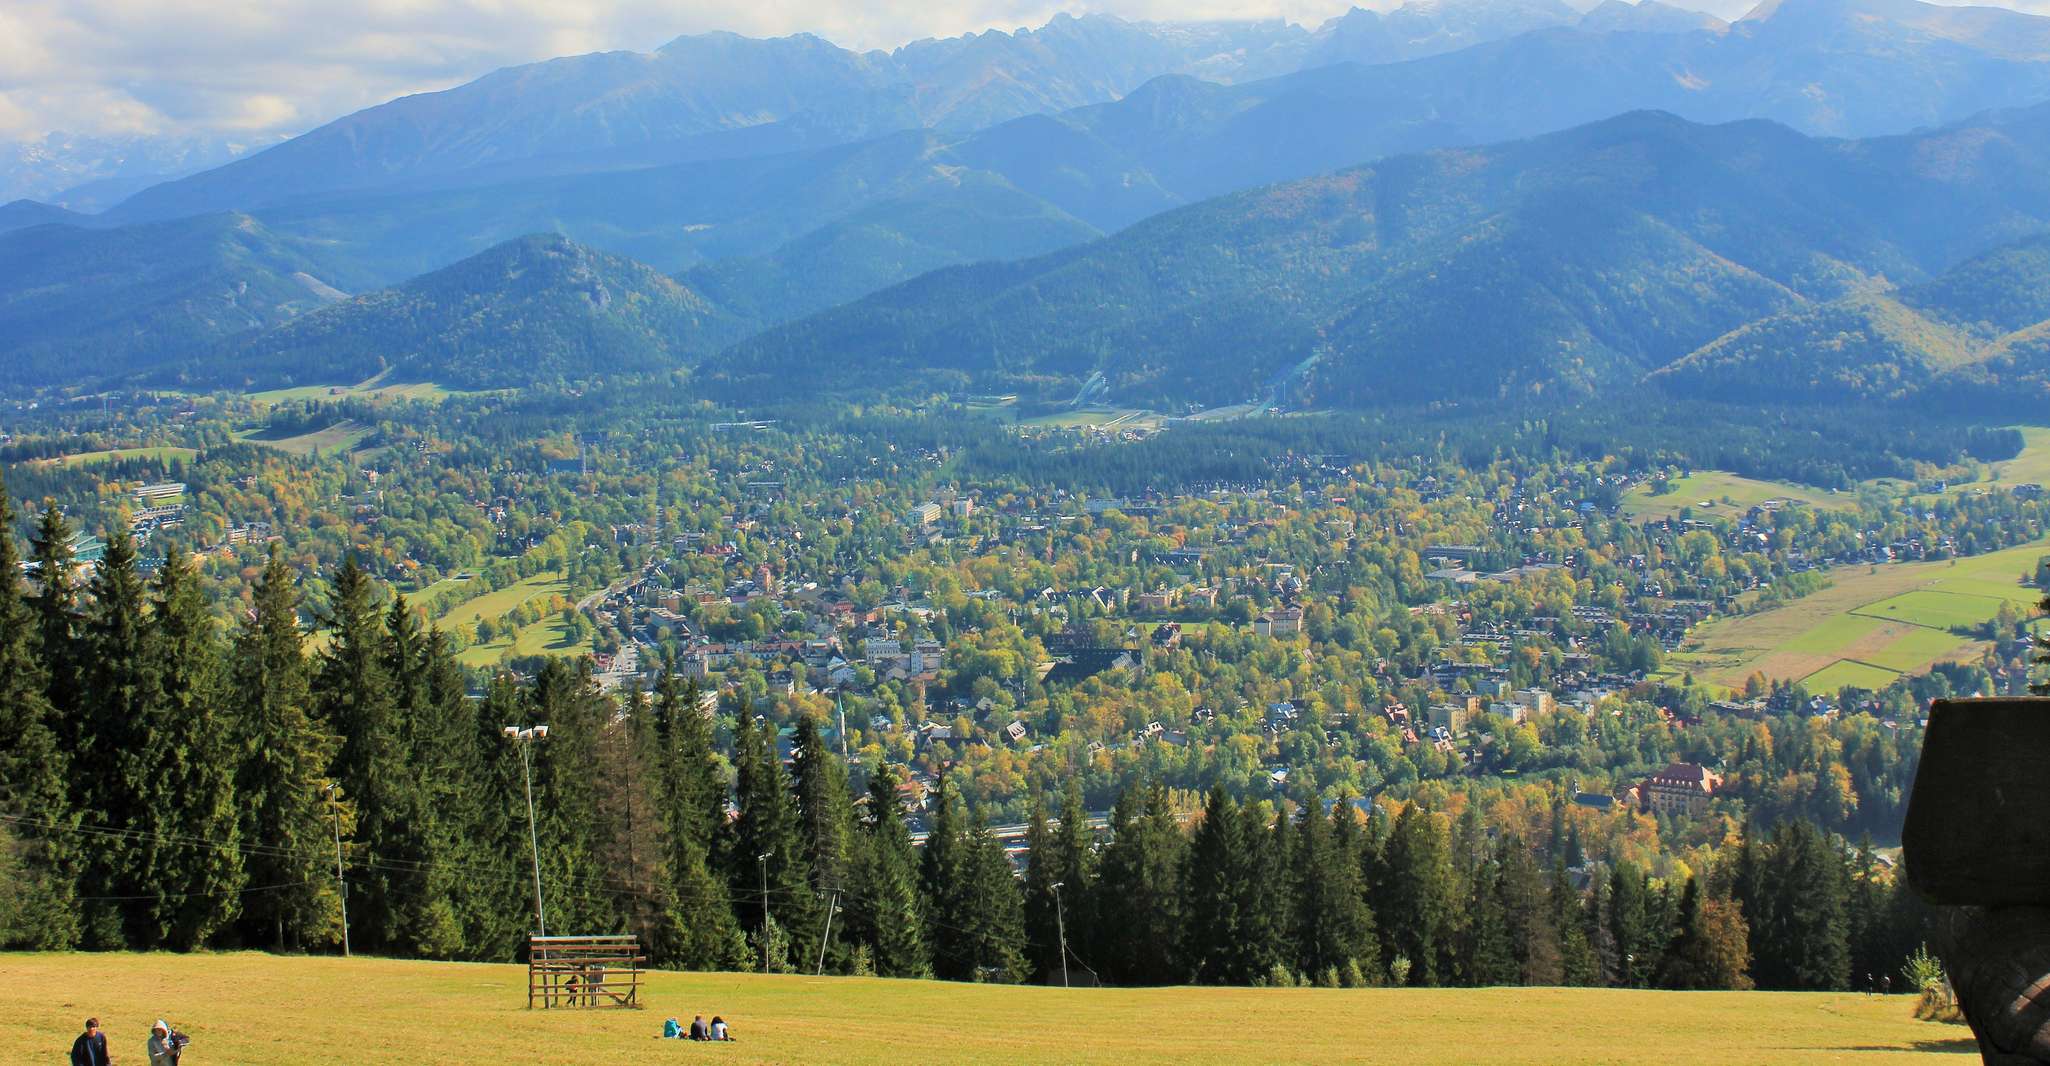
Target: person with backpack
[163, 1047]
[90, 1049]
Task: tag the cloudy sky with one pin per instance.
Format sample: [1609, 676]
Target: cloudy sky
[242, 67]
[254, 70]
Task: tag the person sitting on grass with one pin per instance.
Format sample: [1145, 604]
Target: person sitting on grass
[719, 1030]
[699, 1030]
[90, 1049]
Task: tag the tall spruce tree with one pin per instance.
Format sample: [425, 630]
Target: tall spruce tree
[1214, 927]
[1139, 894]
[55, 604]
[882, 906]
[201, 874]
[1073, 842]
[695, 799]
[1805, 887]
[354, 695]
[1266, 894]
[284, 750]
[41, 885]
[943, 868]
[768, 843]
[1043, 922]
[1528, 911]
[116, 784]
[427, 713]
[993, 908]
[1415, 899]
[825, 816]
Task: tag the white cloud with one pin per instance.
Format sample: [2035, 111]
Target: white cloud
[271, 66]
[99, 66]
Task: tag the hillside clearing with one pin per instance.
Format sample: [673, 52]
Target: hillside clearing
[340, 437]
[1719, 492]
[161, 454]
[290, 1011]
[1872, 624]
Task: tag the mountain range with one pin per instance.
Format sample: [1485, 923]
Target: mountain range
[786, 185]
[1573, 263]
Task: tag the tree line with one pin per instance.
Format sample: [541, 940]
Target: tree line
[167, 782]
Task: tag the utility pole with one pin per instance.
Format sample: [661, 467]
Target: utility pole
[762, 860]
[341, 884]
[525, 738]
[1060, 920]
[831, 909]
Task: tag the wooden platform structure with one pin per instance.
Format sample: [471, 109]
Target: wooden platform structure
[584, 971]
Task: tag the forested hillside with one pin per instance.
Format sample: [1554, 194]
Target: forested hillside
[532, 310]
[1577, 261]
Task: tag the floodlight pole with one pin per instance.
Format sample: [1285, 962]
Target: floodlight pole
[1061, 923]
[341, 884]
[762, 860]
[524, 739]
[831, 908]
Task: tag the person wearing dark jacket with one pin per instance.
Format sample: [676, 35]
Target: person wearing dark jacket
[90, 1049]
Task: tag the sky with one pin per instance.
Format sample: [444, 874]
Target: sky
[258, 70]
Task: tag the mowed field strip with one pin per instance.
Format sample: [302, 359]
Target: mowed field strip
[1872, 625]
[281, 1011]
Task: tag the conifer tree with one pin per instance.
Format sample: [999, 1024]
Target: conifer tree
[486, 810]
[1043, 922]
[1578, 964]
[55, 604]
[193, 757]
[284, 752]
[427, 712]
[1487, 954]
[1076, 871]
[1804, 924]
[825, 814]
[1139, 894]
[354, 695]
[993, 908]
[115, 782]
[882, 907]
[579, 891]
[1634, 921]
[1416, 898]
[694, 795]
[1528, 912]
[1334, 927]
[1213, 881]
[767, 825]
[1266, 894]
[41, 882]
[942, 869]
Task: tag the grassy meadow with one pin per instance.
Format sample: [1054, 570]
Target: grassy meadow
[161, 454]
[1869, 627]
[544, 636]
[1718, 492]
[305, 1011]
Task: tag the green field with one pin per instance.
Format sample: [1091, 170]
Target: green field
[1718, 492]
[543, 637]
[163, 454]
[1097, 418]
[282, 1011]
[1872, 625]
[341, 437]
[371, 389]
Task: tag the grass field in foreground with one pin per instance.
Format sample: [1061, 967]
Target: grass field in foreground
[1871, 625]
[248, 1008]
[1707, 490]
